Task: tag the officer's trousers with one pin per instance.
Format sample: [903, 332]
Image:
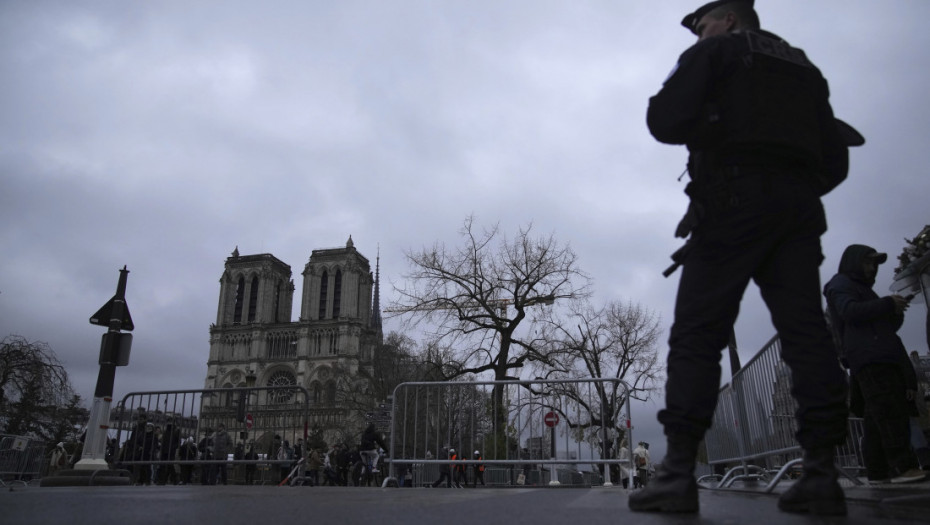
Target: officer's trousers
[763, 226]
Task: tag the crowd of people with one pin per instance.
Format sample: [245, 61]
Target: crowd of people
[181, 460]
[453, 473]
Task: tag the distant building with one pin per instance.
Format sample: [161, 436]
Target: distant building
[255, 342]
[538, 447]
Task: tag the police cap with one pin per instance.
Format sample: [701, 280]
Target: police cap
[849, 134]
[690, 21]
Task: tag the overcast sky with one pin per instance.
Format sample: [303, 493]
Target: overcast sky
[162, 135]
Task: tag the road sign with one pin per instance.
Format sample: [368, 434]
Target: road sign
[551, 419]
[104, 315]
[115, 348]
[248, 421]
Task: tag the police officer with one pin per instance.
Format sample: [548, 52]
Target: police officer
[764, 146]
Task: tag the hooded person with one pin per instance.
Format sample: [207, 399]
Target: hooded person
[866, 326]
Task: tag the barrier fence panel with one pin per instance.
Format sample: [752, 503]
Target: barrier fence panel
[525, 432]
[721, 440]
[754, 424]
[148, 432]
[22, 459]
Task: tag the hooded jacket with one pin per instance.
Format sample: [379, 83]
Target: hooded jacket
[866, 323]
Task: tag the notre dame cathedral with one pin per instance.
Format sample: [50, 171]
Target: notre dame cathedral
[328, 351]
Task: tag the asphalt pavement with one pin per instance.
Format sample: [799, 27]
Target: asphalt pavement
[267, 505]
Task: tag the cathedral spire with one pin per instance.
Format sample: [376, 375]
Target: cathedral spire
[376, 306]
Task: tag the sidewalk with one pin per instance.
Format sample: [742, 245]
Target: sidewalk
[238, 504]
[909, 501]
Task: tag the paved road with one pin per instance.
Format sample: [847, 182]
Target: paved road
[269, 505]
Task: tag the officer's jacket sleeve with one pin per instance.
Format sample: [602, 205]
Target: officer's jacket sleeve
[834, 152]
[675, 112]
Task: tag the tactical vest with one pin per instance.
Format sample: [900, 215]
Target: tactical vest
[766, 111]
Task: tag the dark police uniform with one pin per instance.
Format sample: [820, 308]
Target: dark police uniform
[764, 147]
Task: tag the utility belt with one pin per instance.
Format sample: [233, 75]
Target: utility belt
[711, 167]
[718, 184]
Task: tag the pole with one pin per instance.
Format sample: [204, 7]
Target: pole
[553, 476]
[606, 444]
[734, 355]
[93, 456]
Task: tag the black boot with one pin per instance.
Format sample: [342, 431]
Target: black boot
[674, 488]
[818, 491]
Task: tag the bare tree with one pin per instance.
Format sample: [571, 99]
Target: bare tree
[616, 341]
[477, 296]
[365, 391]
[394, 362]
[36, 397]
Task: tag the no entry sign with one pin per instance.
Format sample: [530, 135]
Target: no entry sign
[248, 421]
[551, 419]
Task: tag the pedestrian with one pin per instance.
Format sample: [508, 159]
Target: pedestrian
[458, 469]
[221, 452]
[207, 469]
[479, 469]
[763, 146]
[881, 369]
[641, 462]
[149, 448]
[171, 440]
[58, 459]
[250, 455]
[369, 445]
[285, 457]
[330, 474]
[187, 454]
[626, 466]
[132, 449]
[111, 451]
[445, 470]
[314, 464]
[343, 461]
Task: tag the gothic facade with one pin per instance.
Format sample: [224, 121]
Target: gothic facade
[254, 342]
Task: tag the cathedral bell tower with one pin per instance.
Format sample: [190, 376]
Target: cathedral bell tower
[255, 289]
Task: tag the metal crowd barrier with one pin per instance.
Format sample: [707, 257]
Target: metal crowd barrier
[508, 423]
[754, 426]
[251, 415]
[22, 459]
